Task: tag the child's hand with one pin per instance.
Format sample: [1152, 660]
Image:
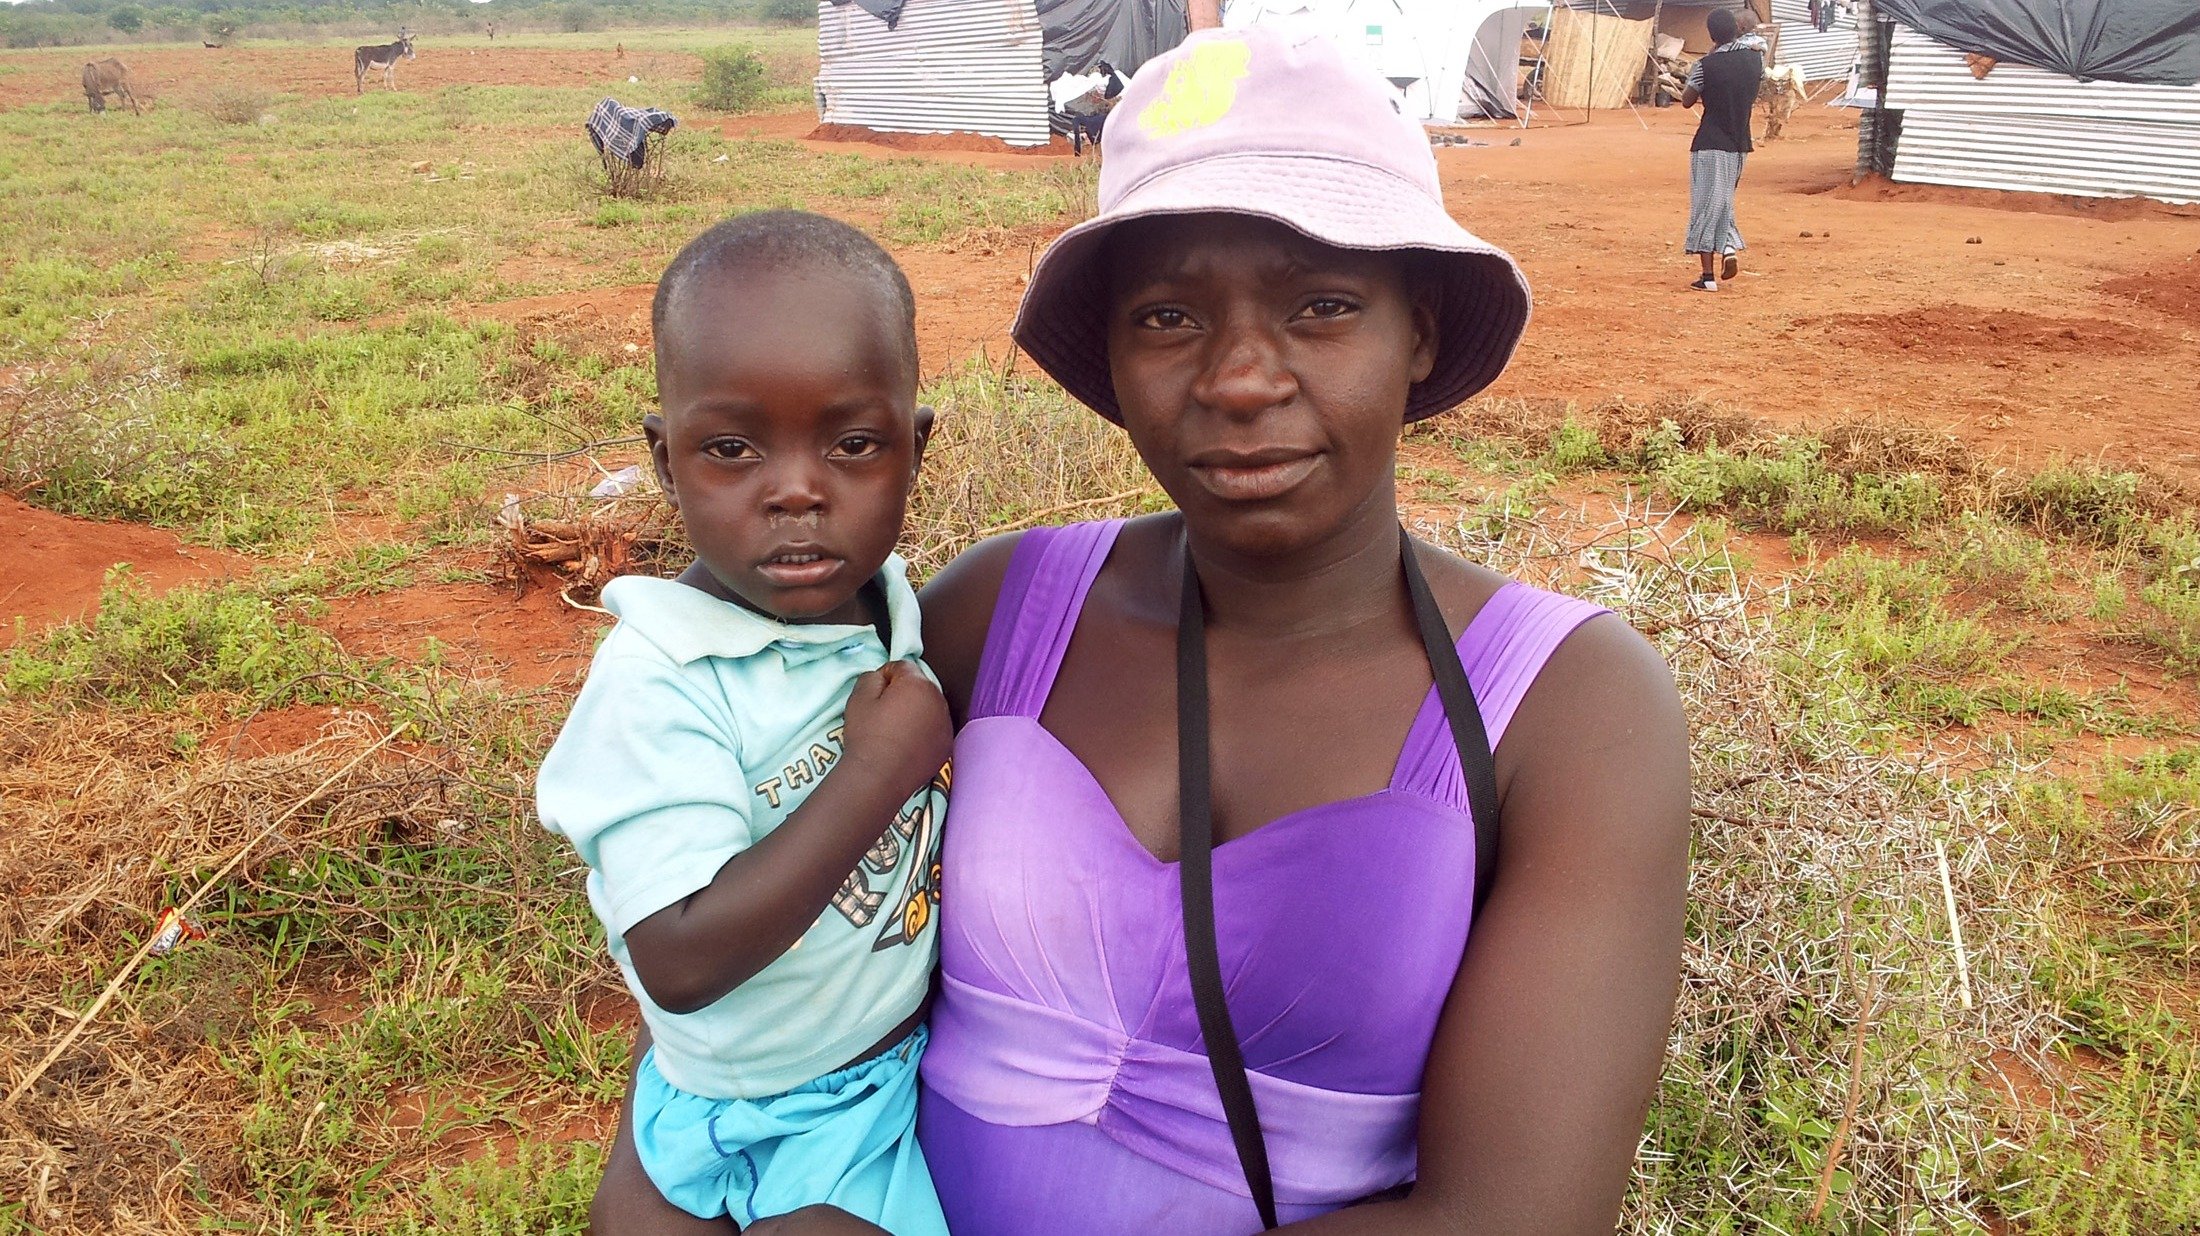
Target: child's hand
[897, 725]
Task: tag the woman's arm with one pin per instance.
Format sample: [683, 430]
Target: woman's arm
[1549, 1049]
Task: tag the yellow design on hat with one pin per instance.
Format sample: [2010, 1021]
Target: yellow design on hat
[1200, 90]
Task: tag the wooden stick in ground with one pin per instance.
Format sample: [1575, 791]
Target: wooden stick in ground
[84, 1019]
[1955, 925]
[1856, 1097]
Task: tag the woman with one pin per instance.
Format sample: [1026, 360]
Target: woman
[1271, 289]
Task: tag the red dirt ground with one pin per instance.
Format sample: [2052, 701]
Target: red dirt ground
[483, 631]
[172, 73]
[2071, 327]
[51, 566]
[931, 143]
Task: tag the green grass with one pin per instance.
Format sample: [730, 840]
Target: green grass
[238, 343]
[404, 1021]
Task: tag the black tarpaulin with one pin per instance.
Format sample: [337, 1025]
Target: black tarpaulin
[888, 11]
[1126, 33]
[2155, 41]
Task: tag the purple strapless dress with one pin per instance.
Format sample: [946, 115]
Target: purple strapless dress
[1066, 1090]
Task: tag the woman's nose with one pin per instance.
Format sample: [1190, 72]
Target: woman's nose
[1246, 372]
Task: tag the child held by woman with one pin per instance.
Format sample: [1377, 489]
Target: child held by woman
[751, 771]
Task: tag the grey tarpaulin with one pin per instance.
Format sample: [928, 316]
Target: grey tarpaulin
[1491, 86]
[2155, 41]
[888, 11]
[1126, 33]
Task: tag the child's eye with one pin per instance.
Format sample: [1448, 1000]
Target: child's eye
[1328, 307]
[859, 446]
[1165, 319]
[728, 448]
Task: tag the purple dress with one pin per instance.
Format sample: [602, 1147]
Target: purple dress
[1066, 1090]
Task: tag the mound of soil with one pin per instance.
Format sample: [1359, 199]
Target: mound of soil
[972, 143]
[51, 566]
[2107, 209]
[2171, 290]
[1962, 333]
[481, 630]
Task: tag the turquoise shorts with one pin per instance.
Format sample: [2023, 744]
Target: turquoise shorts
[848, 1139]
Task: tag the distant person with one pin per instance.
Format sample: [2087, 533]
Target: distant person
[1726, 83]
[751, 771]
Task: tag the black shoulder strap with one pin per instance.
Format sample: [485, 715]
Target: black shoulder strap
[1195, 858]
[1195, 867]
[1476, 762]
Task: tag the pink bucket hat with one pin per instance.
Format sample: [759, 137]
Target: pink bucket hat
[1283, 127]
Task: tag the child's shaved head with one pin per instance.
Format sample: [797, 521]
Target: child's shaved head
[782, 241]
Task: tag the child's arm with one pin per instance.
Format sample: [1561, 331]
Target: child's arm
[895, 737]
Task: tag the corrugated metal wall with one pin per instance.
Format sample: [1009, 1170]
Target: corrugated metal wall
[949, 66]
[1823, 54]
[2028, 129]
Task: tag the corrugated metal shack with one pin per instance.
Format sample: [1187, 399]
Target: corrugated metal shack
[975, 66]
[2028, 129]
[1821, 54]
[943, 66]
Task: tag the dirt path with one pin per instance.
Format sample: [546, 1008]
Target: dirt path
[2073, 332]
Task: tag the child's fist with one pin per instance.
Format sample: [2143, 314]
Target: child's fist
[897, 724]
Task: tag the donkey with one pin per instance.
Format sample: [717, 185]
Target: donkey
[105, 77]
[382, 59]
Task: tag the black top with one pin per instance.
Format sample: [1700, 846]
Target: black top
[1730, 79]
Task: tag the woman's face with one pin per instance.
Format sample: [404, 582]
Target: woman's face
[1262, 375]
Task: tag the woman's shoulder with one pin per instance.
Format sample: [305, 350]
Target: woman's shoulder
[1590, 663]
[958, 603]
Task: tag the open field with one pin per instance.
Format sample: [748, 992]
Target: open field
[1916, 518]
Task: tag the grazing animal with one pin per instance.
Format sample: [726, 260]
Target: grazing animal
[1781, 91]
[215, 46]
[105, 77]
[382, 59]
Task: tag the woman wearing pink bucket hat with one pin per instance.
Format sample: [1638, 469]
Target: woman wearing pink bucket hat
[1298, 873]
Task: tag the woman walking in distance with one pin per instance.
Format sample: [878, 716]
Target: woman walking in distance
[1726, 83]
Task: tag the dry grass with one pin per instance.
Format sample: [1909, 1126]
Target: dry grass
[233, 104]
[1630, 433]
[1008, 453]
[1814, 897]
[412, 944]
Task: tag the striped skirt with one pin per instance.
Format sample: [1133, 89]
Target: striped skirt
[1713, 175]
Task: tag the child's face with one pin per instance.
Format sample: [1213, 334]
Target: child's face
[789, 438]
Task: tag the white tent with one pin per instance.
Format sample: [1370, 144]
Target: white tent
[1448, 58]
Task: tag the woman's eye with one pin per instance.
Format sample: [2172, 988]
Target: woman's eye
[1329, 307]
[1165, 319]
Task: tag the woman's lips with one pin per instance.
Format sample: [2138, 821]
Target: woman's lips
[799, 570]
[1255, 480]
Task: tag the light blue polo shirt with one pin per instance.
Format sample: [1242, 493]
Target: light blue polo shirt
[702, 726]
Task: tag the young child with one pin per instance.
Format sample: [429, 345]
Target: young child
[751, 770]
